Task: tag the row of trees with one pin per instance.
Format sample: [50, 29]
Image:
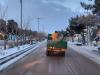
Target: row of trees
[87, 25]
[10, 28]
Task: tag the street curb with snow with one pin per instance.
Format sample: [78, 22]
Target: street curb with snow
[15, 59]
[89, 52]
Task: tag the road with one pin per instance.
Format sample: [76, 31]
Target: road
[37, 63]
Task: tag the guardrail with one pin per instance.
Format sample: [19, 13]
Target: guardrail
[12, 56]
[10, 59]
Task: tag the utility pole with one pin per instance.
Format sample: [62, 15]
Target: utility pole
[21, 18]
[38, 21]
[43, 28]
[21, 21]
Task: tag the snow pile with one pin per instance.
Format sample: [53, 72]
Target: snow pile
[90, 52]
[7, 52]
[5, 65]
[13, 50]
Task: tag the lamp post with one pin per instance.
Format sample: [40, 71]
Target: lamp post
[21, 19]
[38, 21]
[21, 14]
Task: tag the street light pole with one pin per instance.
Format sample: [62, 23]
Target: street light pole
[21, 21]
[38, 21]
[21, 13]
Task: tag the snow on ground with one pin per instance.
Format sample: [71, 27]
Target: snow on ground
[10, 62]
[7, 52]
[5, 65]
[90, 52]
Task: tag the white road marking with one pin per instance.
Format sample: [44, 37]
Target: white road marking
[50, 68]
[29, 73]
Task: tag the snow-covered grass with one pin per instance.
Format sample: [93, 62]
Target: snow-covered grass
[10, 62]
[14, 50]
[7, 52]
[90, 52]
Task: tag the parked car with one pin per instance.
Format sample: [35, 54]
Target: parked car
[34, 42]
[99, 48]
[78, 43]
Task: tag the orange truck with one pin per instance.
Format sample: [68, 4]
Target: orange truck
[56, 46]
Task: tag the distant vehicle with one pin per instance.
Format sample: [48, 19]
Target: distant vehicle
[98, 43]
[78, 43]
[99, 48]
[34, 41]
[56, 45]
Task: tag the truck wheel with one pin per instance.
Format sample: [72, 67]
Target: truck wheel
[48, 53]
[62, 54]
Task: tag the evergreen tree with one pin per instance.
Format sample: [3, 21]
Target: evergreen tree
[96, 7]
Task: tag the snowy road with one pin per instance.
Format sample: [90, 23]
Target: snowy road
[90, 52]
[37, 63]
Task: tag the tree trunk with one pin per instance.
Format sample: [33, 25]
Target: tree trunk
[83, 38]
[4, 44]
[72, 39]
[88, 36]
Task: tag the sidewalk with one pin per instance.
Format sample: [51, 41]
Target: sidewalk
[90, 52]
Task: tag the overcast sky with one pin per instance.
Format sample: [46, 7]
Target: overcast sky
[53, 14]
